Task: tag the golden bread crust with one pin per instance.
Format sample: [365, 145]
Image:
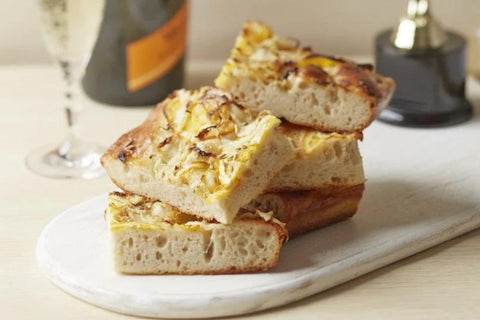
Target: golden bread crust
[303, 211]
[320, 208]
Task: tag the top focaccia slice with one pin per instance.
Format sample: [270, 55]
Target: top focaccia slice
[200, 152]
[266, 72]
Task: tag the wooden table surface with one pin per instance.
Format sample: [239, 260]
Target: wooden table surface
[441, 283]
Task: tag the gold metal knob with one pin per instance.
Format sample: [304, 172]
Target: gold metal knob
[418, 29]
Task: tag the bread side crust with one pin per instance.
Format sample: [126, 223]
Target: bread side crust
[303, 211]
[332, 108]
[321, 161]
[149, 263]
[338, 209]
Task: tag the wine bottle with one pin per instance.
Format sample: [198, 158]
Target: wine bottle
[139, 56]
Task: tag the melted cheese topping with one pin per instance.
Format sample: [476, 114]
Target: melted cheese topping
[272, 58]
[133, 211]
[204, 140]
[129, 209]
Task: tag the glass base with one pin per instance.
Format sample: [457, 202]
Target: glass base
[406, 117]
[67, 161]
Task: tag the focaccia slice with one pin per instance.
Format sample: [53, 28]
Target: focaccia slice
[322, 161]
[200, 152]
[151, 237]
[267, 72]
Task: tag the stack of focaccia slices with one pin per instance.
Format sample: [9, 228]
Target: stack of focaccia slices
[214, 181]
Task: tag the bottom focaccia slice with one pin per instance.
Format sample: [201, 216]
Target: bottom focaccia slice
[151, 237]
[303, 211]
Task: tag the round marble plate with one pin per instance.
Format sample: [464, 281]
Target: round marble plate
[73, 251]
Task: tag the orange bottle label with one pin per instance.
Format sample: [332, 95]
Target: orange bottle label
[152, 56]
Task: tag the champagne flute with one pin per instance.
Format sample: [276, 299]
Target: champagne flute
[70, 29]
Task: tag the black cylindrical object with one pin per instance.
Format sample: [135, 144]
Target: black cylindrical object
[430, 82]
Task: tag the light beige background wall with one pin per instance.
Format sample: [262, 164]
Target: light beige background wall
[331, 26]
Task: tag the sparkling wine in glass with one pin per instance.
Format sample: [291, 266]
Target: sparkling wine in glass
[70, 29]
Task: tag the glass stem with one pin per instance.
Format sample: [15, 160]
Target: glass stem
[73, 107]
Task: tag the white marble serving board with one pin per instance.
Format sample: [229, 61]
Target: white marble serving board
[423, 188]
